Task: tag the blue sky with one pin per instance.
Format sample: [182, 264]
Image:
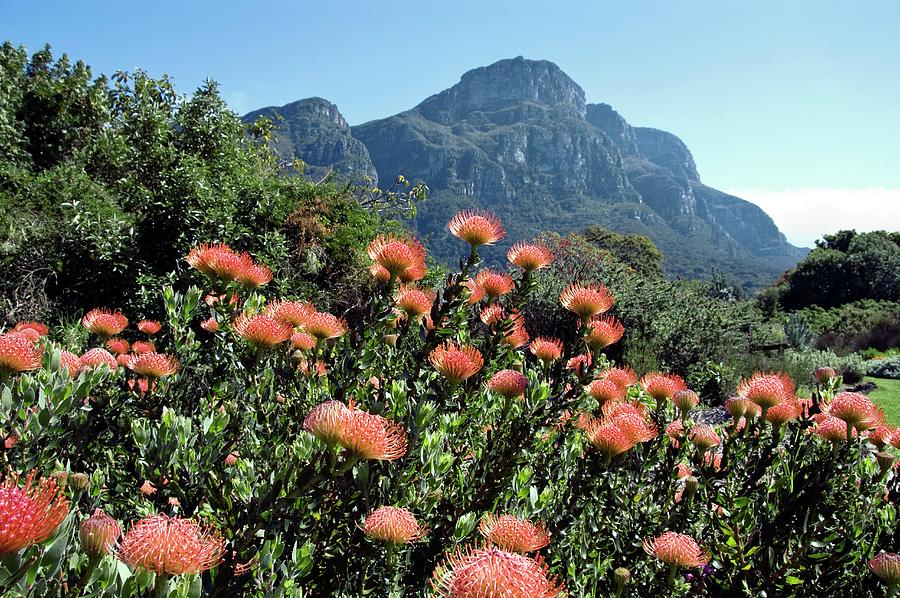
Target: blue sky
[776, 99]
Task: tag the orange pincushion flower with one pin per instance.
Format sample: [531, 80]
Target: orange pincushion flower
[517, 336]
[201, 257]
[607, 438]
[508, 383]
[615, 409]
[831, 428]
[221, 262]
[30, 333]
[148, 489]
[622, 377]
[529, 256]
[139, 347]
[171, 546]
[294, 313]
[586, 301]
[677, 550]
[682, 471]
[395, 254]
[29, 514]
[415, 272]
[326, 421]
[493, 573]
[252, 275]
[675, 432]
[494, 284]
[149, 327]
[324, 325]
[41, 329]
[117, 346]
[393, 524]
[887, 567]
[379, 273]
[605, 390]
[477, 227]
[704, 436]
[371, 436]
[97, 357]
[881, 436]
[856, 409]
[476, 293]
[824, 374]
[784, 412]
[262, 331]
[415, 303]
[685, 400]
[104, 322]
[513, 534]
[580, 363]
[303, 342]
[766, 390]
[662, 387]
[546, 349]
[603, 332]
[492, 314]
[98, 534]
[456, 362]
[209, 325]
[154, 365]
[635, 427]
[70, 362]
[18, 353]
[737, 407]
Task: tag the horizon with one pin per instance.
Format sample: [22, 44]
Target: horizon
[796, 113]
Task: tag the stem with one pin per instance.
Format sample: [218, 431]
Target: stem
[86, 576]
[390, 578]
[161, 590]
[673, 574]
[15, 577]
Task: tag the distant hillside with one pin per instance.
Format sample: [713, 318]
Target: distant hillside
[518, 137]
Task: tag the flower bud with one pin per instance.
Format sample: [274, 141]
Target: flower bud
[98, 534]
[885, 460]
[691, 484]
[61, 477]
[685, 400]
[622, 577]
[390, 339]
[79, 481]
[824, 374]
[231, 459]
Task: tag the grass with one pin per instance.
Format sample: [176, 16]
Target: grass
[887, 396]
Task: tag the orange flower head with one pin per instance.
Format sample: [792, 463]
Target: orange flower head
[604, 390]
[622, 377]
[513, 534]
[607, 438]
[675, 432]
[415, 272]
[887, 567]
[825, 374]
[29, 514]
[209, 325]
[856, 409]
[70, 362]
[492, 314]
[148, 489]
[38, 327]
[252, 275]
[293, 313]
[117, 346]
[529, 256]
[201, 258]
[149, 327]
[508, 383]
[99, 534]
[171, 546]
[302, 341]
[677, 550]
[737, 407]
[326, 421]
[140, 347]
[394, 525]
[766, 390]
[18, 353]
[685, 400]
[604, 331]
[477, 227]
[379, 273]
[546, 349]
[30, 333]
[371, 436]
[96, 357]
[415, 303]
[635, 427]
[586, 301]
[784, 412]
[262, 331]
[324, 326]
[154, 365]
[614, 409]
[580, 363]
[831, 428]
[493, 283]
[662, 387]
[881, 436]
[456, 362]
[476, 293]
[395, 254]
[517, 336]
[104, 322]
[704, 437]
[682, 471]
[494, 573]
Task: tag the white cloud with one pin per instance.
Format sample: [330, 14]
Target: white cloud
[805, 214]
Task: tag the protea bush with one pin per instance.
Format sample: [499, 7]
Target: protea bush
[425, 442]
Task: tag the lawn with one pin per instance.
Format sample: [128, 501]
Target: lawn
[887, 396]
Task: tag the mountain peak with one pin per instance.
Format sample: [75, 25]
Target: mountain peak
[505, 82]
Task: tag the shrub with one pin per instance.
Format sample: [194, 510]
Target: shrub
[884, 368]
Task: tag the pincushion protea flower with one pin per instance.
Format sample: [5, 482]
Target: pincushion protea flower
[324, 325]
[326, 421]
[18, 353]
[605, 390]
[477, 227]
[29, 514]
[704, 437]
[635, 427]
[833, 429]
[262, 331]
[493, 573]
[139, 347]
[513, 534]
[294, 313]
[685, 400]
[586, 301]
[766, 390]
[546, 349]
[677, 550]
[370, 436]
[203, 257]
[784, 412]
[96, 357]
[70, 362]
[881, 436]
[117, 346]
[529, 256]
[209, 325]
[607, 438]
[508, 383]
[104, 322]
[683, 470]
[30, 333]
[737, 407]
[856, 409]
[38, 327]
[493, 283]
[98, 534]
[456, 362]
[253, 275]
[621, 377]
[394, 525]
[662, 387]
[580, 363]
[149, 327]
[887, 567]
[825, 374]
[604, 331]
[476, 293]
[395, 254]
[492, 314]
[154, 365]
[675, 432]
[415, 303]
[303, 341]
[516, 337]
[171, 546]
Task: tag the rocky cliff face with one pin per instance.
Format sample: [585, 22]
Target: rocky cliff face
[517, 137]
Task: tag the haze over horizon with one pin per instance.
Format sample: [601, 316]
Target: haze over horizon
[793, 107]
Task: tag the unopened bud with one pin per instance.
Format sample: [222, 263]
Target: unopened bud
[61, 477]
[685, 400]
[622, 577]
[824, 375]
[98, 534]
[518, 365]
[691, 484]
[390, 339]
[885, 460]
[79, 481]
[231, 459]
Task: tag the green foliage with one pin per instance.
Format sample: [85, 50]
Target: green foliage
[636, 251]
[854, 326]
[884, 368]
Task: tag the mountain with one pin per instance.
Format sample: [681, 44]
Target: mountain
[518, 137]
